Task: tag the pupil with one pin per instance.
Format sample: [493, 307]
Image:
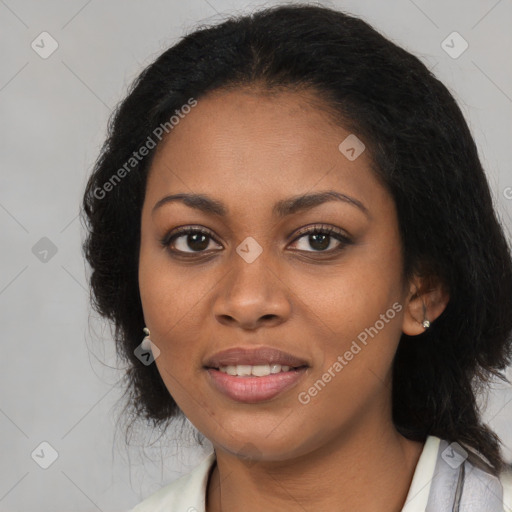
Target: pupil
[194, 243]
[324, 241]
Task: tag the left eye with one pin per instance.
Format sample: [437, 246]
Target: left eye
[322, 240]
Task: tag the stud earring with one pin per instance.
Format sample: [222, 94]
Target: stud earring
[146, 342]
[426, 323]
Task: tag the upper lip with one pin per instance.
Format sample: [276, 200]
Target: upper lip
[253, 356]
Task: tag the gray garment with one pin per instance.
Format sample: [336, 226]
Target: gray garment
[463, 482]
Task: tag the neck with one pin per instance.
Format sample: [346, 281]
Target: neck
[355, 471]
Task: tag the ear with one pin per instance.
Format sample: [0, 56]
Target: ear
[426, 300]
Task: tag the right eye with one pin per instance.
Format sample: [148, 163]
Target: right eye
[188, 240]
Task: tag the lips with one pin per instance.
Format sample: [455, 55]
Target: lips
[254, 356]
[253, 390]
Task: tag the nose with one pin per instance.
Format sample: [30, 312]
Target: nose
[252, 295]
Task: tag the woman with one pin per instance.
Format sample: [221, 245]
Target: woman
[293, 210]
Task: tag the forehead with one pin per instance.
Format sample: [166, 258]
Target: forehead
[253, 144]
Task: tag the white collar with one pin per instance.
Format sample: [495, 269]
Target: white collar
[188, 493]
[419, 491]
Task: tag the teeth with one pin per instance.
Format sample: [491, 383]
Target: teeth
[243, 369]
[258, 370]
[275, 368]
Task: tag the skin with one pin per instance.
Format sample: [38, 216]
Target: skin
[250, 149]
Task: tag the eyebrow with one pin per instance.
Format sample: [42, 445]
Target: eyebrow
[282, 208]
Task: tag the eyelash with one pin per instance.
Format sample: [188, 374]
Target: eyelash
[321, 229]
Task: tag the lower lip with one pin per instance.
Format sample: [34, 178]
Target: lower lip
[254, 389]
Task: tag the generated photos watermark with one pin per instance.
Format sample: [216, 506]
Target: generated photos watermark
[150, 143]
[304, 397]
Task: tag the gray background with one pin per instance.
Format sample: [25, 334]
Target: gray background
[58, 372]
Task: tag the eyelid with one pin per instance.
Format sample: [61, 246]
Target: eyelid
[185, 230]
[340, 235]
[322, 228]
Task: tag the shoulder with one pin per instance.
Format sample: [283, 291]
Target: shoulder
[464, 478]
[186, 494]
[506, 482]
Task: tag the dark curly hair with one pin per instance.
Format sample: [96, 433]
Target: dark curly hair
[423, 153]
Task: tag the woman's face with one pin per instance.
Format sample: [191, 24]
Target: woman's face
[261, 278]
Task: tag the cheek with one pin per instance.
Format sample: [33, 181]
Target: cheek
[352, 295]
[166, 292]
[169, 304]
[175, 301]
[358, 304]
